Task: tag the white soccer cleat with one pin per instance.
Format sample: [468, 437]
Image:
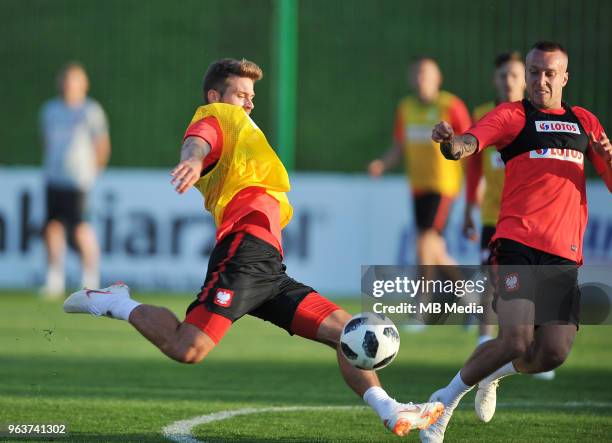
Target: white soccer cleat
[548, 375]
[435, 432]
[96, 301]
[408, 416]
[486, 400]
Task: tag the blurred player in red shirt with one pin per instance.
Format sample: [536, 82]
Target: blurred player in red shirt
[542, 219]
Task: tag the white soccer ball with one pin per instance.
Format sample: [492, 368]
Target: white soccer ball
[369, 341]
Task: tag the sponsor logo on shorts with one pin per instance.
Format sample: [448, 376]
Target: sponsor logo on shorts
[563, 154]
[555, 126]
[511, 282]
[223, 297]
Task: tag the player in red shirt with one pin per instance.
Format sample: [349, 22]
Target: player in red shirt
[543, 215]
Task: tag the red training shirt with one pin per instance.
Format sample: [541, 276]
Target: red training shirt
[544, 203]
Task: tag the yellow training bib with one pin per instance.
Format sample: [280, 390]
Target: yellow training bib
[427, 168]
[493, 170]
[246, 160]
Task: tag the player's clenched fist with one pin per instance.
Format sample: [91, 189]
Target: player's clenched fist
[185, 174]
[603, 148]
[442, 132]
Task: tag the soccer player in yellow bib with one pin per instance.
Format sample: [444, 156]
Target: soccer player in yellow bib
[509, 82]
[244, 185]
[434, 181]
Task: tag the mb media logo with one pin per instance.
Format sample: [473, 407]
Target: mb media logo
[555, 126]
[568, 155]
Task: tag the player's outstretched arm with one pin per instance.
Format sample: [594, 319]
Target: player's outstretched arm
[188, 171]
[377, 167]
[453, 147]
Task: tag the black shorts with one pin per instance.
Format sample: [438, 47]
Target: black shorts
[486, 234]
[246, 275]
[550, 281]
[65, 205]
[431, 210]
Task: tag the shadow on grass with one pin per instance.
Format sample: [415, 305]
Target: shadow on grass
[256, 382]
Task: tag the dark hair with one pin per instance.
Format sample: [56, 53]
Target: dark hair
[549, 46]
[505, 57]
[218, 72]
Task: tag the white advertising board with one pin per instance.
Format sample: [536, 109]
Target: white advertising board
[154, 239]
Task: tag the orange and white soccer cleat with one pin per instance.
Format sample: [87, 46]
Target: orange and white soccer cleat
[408, 416]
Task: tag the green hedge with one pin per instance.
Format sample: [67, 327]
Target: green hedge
[146, 61]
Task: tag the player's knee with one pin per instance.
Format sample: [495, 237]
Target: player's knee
[516, 346]
[552, 357]
[331, 328]
[188, 354]
[190, 345]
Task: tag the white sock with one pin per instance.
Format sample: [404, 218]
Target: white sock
[91, 277]
[55, 278]
[380, 401]
[484, 338]
[456, 389]
[505, 370]
[123, 307]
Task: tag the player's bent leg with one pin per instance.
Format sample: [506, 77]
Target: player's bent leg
[549, 350]
[183, 342]
[329, 321]
[514, 341]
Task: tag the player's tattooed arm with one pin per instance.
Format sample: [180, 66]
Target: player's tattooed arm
[453, 147]
[194, 148]
[188, 171]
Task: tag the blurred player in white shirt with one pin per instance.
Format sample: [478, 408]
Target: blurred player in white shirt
[76, 149]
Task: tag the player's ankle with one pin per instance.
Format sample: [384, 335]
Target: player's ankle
[378, 399]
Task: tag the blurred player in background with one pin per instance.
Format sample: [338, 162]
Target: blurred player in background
[509, 81]
[542, 219]
[435, 182]
[244, 184]
[76, 150]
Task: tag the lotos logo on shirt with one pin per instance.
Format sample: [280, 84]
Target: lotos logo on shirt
[568, 155]
[223, 297]
[555, 126]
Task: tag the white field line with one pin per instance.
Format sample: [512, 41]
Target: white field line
[180, 431]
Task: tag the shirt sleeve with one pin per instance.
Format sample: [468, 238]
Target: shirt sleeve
[590, 123]
[207, 129]
[459, 116]
[500, 126]
[98, 123]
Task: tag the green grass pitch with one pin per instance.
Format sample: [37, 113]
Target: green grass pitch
[107, 383]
